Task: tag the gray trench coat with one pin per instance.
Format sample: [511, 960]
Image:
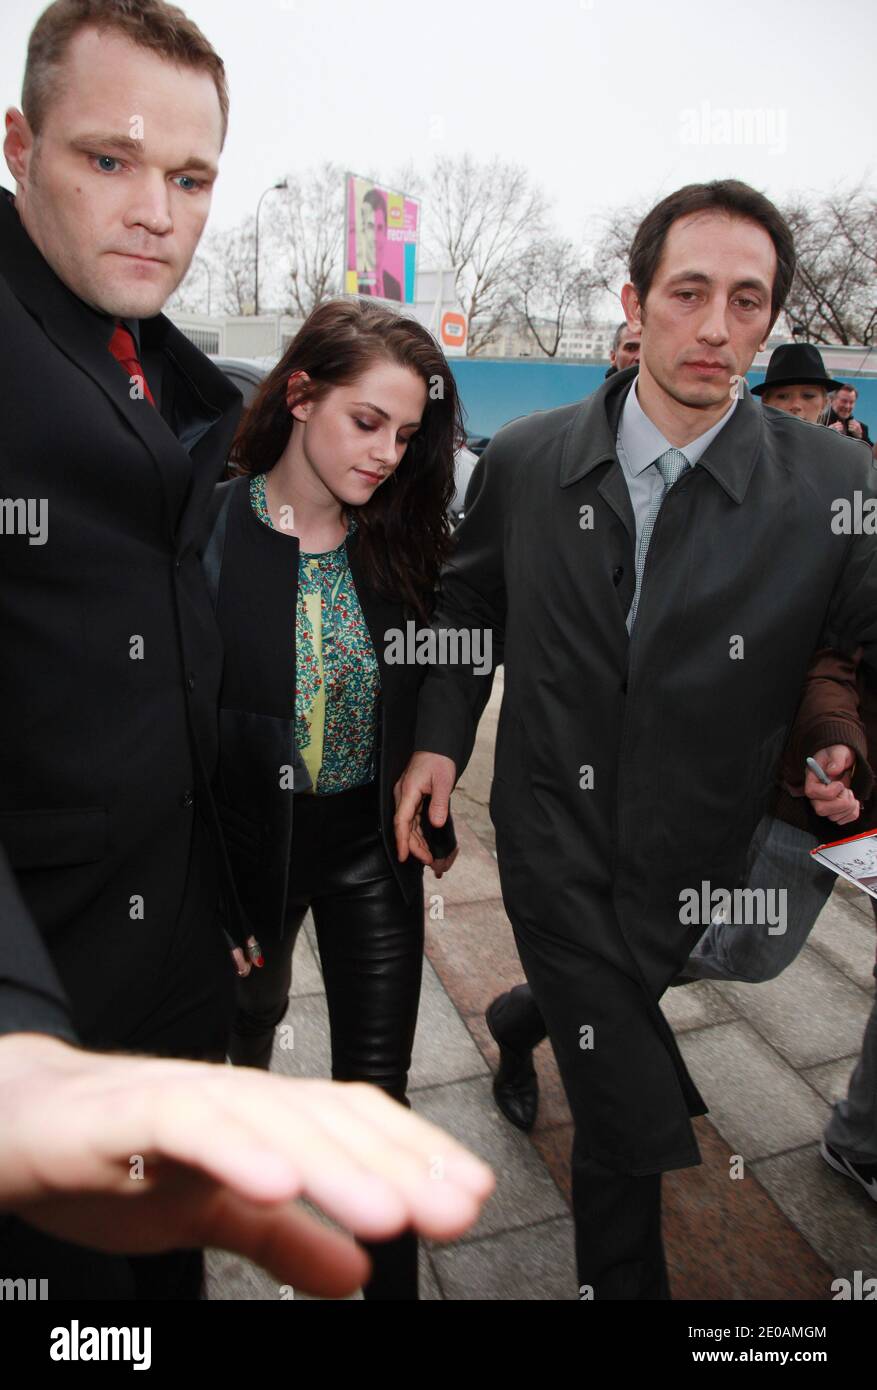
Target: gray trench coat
[630, 771]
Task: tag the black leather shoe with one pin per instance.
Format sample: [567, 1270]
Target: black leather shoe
[515, 1086]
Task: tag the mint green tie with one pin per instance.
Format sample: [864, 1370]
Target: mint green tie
[671, 465]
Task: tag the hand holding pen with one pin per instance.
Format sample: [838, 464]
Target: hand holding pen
[826, 787]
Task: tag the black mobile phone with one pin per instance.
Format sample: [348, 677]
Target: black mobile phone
[440, 839]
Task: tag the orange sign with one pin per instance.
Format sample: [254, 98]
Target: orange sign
[453, 329]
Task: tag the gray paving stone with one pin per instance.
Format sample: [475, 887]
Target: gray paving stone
[525, 1191]
[855, 896]
[535, 1263]
[230, 1278]
[310, 932]
[307, 977]
[474, 876]
[830, 1211]
[846, 939]
[695, 1006]
[430, 1290]
[301, 1041]
[756, 1102]
[810, 1014]
[444, 1049]
[831, 1079]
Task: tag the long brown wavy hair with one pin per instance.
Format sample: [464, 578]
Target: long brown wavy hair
[403, 529]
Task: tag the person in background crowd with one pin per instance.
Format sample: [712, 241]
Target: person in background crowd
[843, 403]
[796, 381]
[624, 351]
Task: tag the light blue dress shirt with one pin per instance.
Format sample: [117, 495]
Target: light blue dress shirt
[639, 443]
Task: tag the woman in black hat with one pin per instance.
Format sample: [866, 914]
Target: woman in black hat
[797, 382]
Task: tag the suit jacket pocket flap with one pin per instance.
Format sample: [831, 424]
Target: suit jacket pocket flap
[49, 838]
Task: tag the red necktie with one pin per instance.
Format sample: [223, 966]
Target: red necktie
[123, 349]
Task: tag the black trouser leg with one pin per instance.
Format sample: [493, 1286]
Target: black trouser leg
[619, 1251]
[371, 952]
[619, 1082]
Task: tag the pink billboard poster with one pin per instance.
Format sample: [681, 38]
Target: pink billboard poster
[382, 229]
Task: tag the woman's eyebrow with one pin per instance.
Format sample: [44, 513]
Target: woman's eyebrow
[412, 424]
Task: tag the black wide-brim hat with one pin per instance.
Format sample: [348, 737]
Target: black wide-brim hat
[796, 364]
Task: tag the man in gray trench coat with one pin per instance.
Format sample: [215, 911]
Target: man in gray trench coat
[656, 566]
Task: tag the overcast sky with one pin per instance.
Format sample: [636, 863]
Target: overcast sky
[603, 102]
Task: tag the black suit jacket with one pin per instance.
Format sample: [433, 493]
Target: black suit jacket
[112, 659]
[252, 571]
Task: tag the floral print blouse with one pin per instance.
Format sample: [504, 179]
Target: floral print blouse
[337, 678]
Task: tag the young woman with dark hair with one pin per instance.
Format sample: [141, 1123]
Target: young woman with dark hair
[329, 539]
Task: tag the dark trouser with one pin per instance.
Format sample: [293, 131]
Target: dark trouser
[619, 1250]
[191, 1019]
[371, 952]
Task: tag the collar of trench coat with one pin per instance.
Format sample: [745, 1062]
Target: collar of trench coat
[590, 440]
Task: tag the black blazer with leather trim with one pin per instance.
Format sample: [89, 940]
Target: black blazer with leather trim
[253, 574]
[111, 664]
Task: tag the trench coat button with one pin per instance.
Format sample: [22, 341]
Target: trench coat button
[617, 575]
[190, 681]
[187, 799]
[178, 564]
[624, 687]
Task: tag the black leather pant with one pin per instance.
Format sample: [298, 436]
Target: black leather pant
[371, 953]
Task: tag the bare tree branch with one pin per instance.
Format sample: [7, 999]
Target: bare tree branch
[478, 218]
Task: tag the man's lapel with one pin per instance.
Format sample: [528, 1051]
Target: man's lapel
[202, 409]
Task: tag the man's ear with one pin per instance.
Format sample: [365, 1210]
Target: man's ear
[763, 344]
[18, 145]
[631, 306]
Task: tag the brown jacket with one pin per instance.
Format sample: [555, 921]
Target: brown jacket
[837, 706]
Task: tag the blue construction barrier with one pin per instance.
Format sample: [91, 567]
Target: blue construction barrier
[496, 390]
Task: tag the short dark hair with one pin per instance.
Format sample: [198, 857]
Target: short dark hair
[722, 195]
[845, 386]
[619, 334]
[151, 24]
[376, 200]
